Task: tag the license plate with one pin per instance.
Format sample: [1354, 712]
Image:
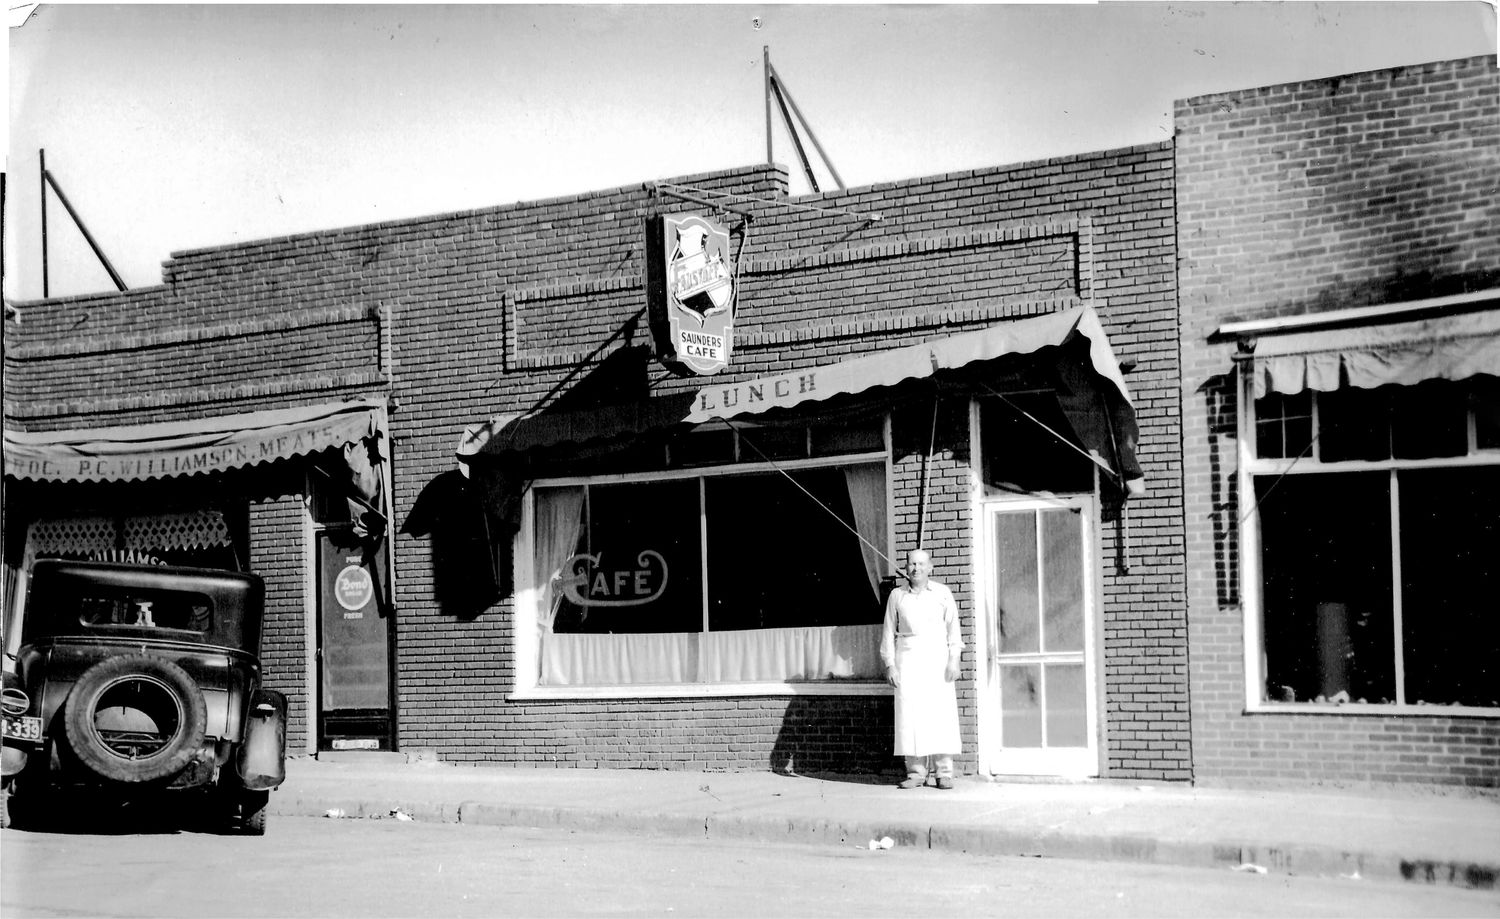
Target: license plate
[23, 727]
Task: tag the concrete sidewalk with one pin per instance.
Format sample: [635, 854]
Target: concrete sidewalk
[1420, 835]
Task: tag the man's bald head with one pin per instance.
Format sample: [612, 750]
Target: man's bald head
[918, 567]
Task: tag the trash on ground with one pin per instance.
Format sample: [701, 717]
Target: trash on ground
[336, 813]
[1247, 866]
[400, 815]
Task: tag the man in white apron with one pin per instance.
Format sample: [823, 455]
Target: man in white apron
[920, 648]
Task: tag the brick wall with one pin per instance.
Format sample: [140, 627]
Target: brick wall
[961, 251]
[489, 311]
[1359, 190]
[276, 554]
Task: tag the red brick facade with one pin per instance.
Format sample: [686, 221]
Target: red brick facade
[1356, 191]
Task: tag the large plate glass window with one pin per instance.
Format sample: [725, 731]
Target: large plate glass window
[1379, 525]
[712, 576]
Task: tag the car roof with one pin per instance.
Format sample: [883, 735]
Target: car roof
[237, 597]
[229, 585]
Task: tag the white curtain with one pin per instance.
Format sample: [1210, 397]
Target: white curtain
[798, 654]
[867, 496]
[615, 660]
[559, 520]
[843, 652]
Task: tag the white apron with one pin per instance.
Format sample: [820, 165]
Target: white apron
[917, 643]
[926, 704]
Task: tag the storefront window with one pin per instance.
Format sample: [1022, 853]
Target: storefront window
[1380, 546]
[722, 576]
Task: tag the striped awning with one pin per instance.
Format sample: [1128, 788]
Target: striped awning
[1453, 347]
[1096, 401]
[181, 448]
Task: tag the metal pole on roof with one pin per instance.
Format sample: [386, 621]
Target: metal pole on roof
[41, 156]
[791, 129]
[98, 253]
[765, 53]
[786, 90]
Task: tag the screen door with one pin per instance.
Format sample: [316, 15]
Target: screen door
[1041, 714]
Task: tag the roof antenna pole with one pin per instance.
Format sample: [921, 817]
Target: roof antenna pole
[783, 89]
[791, 129]
[41, 155]
[47, 179]
[765, 52]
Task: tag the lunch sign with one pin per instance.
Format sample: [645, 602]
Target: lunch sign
[690, 292]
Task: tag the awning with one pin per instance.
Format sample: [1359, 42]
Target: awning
[1072, 332]
[159, 451]
[1452, 347]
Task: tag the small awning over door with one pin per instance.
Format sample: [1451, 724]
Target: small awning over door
[1453, 347]
[159, 451]
[1096, 401]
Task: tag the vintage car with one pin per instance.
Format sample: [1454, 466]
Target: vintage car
[134, 681]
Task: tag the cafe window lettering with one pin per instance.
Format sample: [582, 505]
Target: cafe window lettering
[1379, 524]
[720, 576]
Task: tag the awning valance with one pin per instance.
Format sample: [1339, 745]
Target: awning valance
[1087, 366]
[158, 451]
[1451, 347]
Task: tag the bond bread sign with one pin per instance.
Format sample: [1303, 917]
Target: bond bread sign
[354, 589]
[690, 292]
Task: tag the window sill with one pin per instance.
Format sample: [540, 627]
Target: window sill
[704, 690]
[1355, 708]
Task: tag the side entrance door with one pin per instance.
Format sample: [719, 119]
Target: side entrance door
[1039, 714]
[354, 674]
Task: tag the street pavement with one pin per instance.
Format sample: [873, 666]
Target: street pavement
[1422, 835]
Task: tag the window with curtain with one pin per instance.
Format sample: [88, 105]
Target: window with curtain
[724, 575]
[1379, 521]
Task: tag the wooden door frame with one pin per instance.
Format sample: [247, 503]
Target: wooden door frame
[986, 631]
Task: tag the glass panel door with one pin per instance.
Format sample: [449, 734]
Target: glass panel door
[1041, 712]
[354, 710]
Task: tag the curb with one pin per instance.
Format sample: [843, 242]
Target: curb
[1301, 860]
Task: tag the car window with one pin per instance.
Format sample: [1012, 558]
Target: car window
[178, 611]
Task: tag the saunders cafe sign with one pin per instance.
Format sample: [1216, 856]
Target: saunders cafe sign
[690, 292]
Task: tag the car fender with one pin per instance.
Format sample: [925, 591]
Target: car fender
[261, 763]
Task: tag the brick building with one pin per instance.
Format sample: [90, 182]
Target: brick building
[1339, 245]
[589, 563]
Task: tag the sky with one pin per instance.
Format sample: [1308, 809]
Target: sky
[179, 127]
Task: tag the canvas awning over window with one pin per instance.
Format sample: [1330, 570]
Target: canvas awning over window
[1096, 399]
[159, 451]
[1451, 347]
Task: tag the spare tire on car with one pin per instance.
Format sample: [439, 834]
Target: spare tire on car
[134, 719]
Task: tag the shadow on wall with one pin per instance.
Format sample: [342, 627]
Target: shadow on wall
[467, 576]
[836, 736]
[470, 521]
[1219, 396]
[1421, 275]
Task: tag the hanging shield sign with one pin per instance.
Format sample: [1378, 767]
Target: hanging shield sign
[690, 293]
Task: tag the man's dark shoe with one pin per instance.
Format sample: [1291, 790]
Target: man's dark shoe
[945, 784]
[911, 781]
